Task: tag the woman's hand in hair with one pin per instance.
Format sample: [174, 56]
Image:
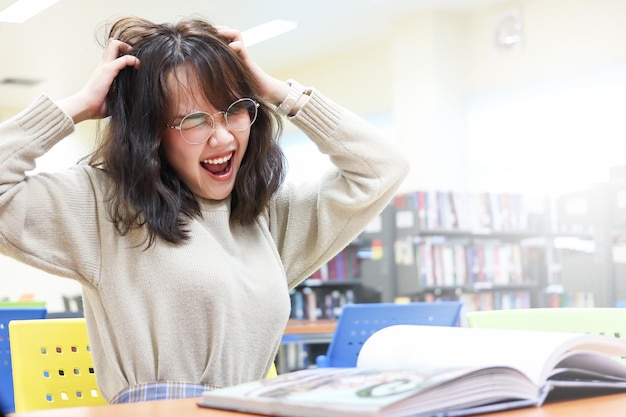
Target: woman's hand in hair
[89, 102]
[272, 89]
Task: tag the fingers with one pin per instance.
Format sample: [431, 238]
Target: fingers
[90, 101]
[230, 34]
[237, 46]
[118, 52]
[269, 87]
[128, 61]
[114, 48]
[234, 38]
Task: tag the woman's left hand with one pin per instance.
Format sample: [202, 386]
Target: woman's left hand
[272, 89]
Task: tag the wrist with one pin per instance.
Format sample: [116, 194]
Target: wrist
[288, 107]
[300, 102]
[74, 107]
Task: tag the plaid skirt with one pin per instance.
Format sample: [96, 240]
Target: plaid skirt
[160, 391]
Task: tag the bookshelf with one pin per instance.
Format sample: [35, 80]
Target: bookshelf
[362, 273]
[614, 270]
[337, 283]
[491, 251]
[487, 250]
[582, 243]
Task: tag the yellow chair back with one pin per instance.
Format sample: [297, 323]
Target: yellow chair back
[52, 364]
[272, 373]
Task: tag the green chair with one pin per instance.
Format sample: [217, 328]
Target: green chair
[604, 321]
[22, 304]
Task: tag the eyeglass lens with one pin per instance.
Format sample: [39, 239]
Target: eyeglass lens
[197, 127]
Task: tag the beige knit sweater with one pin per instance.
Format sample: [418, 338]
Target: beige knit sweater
[211, 310]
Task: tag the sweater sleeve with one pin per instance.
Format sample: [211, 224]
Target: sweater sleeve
[313, 221]
[46, 220]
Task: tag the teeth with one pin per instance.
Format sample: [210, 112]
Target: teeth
[218, 160]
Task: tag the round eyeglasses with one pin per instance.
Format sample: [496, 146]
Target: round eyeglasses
[197, 127]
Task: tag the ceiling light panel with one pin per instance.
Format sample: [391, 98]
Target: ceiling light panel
[22, 10]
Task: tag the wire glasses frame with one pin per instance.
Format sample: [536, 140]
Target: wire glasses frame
[197, 127]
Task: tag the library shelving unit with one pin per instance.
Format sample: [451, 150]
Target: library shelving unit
[499, 250]
[617, 236]
[346, 278]
[581, 249]
[490, 250]
[593, 265]
[608, 214]
[486, 249]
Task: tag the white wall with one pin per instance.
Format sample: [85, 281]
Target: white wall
[549, 116]
[429, 54]
[542, 118]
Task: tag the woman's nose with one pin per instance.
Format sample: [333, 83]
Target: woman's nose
[221, 134]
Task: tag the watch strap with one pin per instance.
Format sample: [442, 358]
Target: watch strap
[296, 91]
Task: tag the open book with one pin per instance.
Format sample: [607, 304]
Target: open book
[407, 370]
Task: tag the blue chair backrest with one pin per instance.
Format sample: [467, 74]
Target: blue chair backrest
[357, 322]
[7, 402]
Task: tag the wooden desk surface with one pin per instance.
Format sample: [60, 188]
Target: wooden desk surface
[601, 406]
[295, 326]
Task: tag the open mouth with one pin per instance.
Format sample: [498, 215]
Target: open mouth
[218, 166]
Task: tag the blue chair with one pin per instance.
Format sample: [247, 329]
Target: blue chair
[357, 322]
[7, 314]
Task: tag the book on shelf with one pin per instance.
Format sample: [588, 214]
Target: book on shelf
[483, 212]
[409, 370]
[497, 300]
[430, 262]
[343, 266]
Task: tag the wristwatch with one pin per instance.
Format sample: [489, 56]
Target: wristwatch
[295, 92]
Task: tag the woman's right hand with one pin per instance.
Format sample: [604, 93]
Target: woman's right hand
[90, 101]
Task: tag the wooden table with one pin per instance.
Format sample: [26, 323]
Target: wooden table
[298, 333]
[602, 406]
[309, 331]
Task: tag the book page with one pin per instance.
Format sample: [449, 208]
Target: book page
[348, 392]
[603, 367]
[535, 353]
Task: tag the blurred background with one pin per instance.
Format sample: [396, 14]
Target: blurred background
[524, 96]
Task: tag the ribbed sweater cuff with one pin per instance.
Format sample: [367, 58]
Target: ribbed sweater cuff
[318, 116]
[44, 120]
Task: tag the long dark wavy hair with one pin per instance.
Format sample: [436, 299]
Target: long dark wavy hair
[145, 189]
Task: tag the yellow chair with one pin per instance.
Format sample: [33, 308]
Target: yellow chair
[272, 372]
[52, 364]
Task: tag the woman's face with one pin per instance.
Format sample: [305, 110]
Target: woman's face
[208, 169]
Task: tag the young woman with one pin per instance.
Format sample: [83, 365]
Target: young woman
[179, 227]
